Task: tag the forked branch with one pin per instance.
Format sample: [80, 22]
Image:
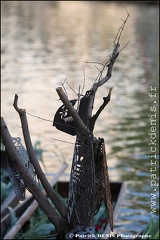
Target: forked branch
[109, 64]
[89, 97]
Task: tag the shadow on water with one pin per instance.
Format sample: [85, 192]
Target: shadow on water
[44, 42]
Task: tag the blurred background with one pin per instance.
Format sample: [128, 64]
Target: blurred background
[45, 42]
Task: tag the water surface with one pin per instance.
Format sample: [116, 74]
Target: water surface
[46, 42]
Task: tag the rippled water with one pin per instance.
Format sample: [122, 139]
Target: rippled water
[46, 42]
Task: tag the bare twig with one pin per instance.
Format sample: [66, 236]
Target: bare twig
[109, 71]
[84, 80]
[28, 180]
[62, 84]
[51, 193]
[113, 57]
[71, 88]
[99, 82]
[96, 63]
[124, 46]
[96, 115]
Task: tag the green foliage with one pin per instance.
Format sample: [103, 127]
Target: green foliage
[37, 227]
[13, 220]
[2, 146]
[3, 191]
[13, 216]
[4, 175]
[152, 229]
[5, 184]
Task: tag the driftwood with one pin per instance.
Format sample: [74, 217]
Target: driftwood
[89, 181]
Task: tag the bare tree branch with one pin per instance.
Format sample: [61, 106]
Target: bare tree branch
[113, 57]
[90, 95]
[79, 123]
[51, 193]
[96, 115]
[32, 185]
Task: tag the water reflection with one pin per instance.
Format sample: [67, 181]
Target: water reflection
[45, 42]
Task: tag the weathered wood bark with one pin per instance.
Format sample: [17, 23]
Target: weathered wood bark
[51, 193]
[28, 180]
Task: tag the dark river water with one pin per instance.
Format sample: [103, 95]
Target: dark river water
[45, 42]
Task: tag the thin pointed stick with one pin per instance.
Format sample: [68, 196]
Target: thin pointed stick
[96, 115]
[79, 123]
[51, 193]
[27, 178]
